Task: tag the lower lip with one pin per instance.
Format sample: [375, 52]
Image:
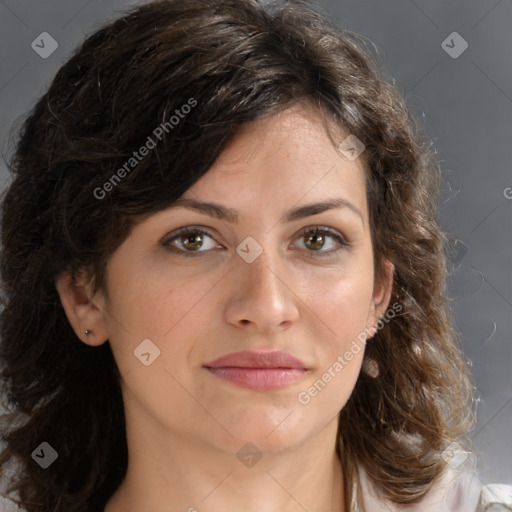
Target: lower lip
[261, 379]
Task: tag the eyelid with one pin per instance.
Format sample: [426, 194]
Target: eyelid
[317, 228]
[185, 229]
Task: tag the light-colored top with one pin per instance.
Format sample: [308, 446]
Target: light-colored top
[457, 491]
[8, 505]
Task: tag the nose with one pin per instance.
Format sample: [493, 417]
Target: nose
[263, 298]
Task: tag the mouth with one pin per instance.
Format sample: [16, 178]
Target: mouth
[262, 371]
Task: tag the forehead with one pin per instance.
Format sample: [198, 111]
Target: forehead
[285, 159]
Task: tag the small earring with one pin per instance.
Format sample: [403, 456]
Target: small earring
[87, 332]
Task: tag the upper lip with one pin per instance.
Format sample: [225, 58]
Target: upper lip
[253, 359]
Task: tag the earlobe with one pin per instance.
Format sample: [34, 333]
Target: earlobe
[84, 314]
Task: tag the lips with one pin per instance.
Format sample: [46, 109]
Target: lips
[248, 359]
[261, 371]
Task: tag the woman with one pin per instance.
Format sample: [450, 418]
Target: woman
[224, 278]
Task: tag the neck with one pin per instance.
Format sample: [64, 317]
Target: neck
[198, 478]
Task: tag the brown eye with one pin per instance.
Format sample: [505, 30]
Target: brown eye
[190, 241]
[316, 239]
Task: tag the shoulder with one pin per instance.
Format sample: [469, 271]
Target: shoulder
[458, 490]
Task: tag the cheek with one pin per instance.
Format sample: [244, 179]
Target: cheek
[341, 303]
[341, 308]
[152, 302]
[339, 355]
[157, 305]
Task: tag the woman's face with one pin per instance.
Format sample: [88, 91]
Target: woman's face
[249, 281]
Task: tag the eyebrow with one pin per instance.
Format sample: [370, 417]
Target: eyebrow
[222, 213]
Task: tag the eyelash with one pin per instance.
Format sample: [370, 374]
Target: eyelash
[317, 230]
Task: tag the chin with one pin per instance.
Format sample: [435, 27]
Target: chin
[271, 430]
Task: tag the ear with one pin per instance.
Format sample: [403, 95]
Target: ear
[83, 311]
[381, 295]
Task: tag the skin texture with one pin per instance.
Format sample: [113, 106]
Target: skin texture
[185, 425]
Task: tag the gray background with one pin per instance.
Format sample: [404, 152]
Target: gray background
[463, 104]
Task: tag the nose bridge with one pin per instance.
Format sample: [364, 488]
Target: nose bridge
[261, 277]
[263, 296]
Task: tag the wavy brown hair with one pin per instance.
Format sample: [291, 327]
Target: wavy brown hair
[241, 61]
